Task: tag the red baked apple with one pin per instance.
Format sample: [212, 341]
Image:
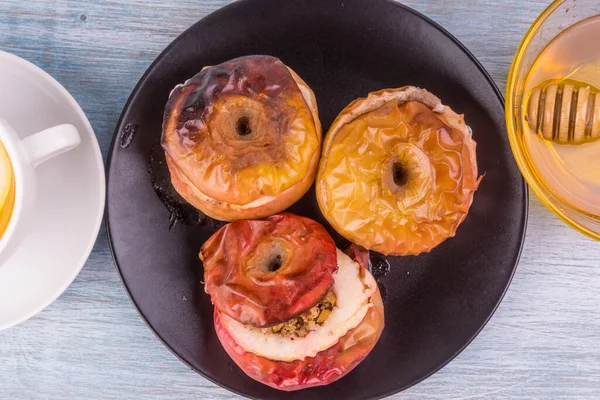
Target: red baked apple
[264, 272]
[332, 313]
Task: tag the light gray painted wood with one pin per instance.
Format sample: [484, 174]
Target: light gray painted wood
[543, 342]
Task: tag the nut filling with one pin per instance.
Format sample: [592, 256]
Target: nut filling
[303, 324]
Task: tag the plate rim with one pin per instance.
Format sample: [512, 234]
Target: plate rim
[134, 94]
[99, 164]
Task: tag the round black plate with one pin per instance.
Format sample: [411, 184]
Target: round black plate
[435, 303]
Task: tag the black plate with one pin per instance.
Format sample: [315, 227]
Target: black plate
[435, 303]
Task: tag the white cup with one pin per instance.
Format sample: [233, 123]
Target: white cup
[25, 155]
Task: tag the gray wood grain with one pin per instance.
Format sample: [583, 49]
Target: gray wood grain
[542, 343]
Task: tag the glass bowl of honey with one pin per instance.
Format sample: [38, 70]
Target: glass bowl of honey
[553, 111]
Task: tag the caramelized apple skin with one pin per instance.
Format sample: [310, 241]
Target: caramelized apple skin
[264, 272]
[359, 254]
[326, 367]
[242, 138]
[414, 208]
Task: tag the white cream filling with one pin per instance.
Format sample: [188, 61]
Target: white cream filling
[353, 301]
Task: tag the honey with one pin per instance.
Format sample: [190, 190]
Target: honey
[560, 141]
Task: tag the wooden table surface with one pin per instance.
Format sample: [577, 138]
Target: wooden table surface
[542, 343]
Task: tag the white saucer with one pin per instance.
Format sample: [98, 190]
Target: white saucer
[71, 193]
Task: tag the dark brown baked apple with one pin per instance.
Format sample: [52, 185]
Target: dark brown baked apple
[242, 139]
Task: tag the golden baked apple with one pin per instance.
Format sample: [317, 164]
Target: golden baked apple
[242, 139]
[398, 172]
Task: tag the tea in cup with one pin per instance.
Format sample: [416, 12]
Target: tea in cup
[18, 181]
[7, 190]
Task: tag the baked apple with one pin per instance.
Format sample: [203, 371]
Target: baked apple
[264, 272]
[398, 172]
[242, 139]
[312, 348]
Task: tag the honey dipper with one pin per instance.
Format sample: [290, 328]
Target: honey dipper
[565, 111]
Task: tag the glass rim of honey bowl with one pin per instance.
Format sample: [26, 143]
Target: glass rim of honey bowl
[513, 121]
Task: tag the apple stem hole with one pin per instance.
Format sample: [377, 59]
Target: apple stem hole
[243, 126]
[275, 264]
[400, 174]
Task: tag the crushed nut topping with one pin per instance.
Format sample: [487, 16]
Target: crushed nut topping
[303, 324]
